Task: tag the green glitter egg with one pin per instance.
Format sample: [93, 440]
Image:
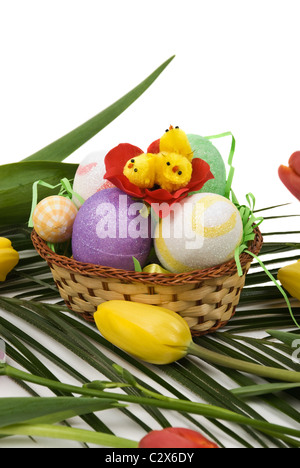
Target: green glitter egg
[205, 150]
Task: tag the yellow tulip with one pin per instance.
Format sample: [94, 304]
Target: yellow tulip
[159, 336]
[289, 277]
[9, 258]
[153, 334]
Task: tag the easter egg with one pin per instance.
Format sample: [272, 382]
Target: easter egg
[109, 230]
[201, 231]
[89, 177]
[53, 218]
[205, 150]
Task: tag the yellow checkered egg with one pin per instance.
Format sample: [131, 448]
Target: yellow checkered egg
[201, 231]
[53, 218]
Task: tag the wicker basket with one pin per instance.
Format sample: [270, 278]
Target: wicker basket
[206, 298]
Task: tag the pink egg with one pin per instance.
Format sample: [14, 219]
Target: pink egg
[89, 177]
[53, 218]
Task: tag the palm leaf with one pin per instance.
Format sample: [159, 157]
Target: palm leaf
[262, 389]
[35, 321]
[288, 338]
[57, 322]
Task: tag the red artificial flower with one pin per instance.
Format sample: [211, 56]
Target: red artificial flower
[290, 175]
[116, 159]
[175, 437]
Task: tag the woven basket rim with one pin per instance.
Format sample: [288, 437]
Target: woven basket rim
[87, 269]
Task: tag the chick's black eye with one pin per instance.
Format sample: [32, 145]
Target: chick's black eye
[135, 170]
[179, 172]
[176, 126]
[168, 163]
[132, 160]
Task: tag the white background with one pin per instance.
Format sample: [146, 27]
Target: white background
[236, 69]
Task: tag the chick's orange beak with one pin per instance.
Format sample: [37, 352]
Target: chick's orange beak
[130, 165]
[175, 168]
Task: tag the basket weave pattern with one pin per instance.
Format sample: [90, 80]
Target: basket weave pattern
[206, 298]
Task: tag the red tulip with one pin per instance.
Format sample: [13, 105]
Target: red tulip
[175, 437]
[116, 159]
[290, 176]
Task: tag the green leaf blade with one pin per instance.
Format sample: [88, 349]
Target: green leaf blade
[262, 389]
[291, 339]
[17, 410]
[66, 145]
[16, 182]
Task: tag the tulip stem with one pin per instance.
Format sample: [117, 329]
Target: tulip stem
[99, 385]
[68, 433]
[209, 411]
[243, 366]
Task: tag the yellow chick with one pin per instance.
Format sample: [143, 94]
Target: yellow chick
[171, 168]
[173, 171]
[175, 140]
[140, 170]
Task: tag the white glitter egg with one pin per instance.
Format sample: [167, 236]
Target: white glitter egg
[89, 177]
[53, 218]
[201, 231]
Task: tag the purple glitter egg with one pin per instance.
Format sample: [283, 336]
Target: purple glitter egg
[109, 230]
